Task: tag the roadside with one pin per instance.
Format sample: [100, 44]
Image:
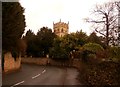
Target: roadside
[104, 73]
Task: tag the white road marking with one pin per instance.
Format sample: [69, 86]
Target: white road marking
[24, 81]
[43, 71]
[36, 76]
[17, 83]
[39, 74]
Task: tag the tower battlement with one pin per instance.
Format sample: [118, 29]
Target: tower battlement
[61, 28]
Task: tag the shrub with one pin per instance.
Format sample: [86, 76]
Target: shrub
[92, 51]
[93, 47]
[104, 74]
[58, 53]
[114, 53]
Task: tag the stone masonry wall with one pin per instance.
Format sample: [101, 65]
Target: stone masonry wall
[10, 64]
[38, 61]
[47, 61]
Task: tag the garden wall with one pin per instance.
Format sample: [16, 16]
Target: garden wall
[10, 63]
[38, 61]
[47, 61]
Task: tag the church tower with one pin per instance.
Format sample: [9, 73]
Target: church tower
[61, 28]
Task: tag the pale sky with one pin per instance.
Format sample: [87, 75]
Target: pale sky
[39, 13]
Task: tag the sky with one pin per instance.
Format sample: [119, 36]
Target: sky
[39, 13]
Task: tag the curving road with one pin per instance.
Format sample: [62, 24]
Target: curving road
[41, 75]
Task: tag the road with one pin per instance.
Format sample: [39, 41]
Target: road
[41, 75]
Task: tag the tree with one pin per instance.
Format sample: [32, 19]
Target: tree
[29, 35]
[118, 8]
[74, 40]
[93, 38]
[68, 42]
[114, 53]
[45, 38]
[105, 21]
[64, 46]
[92, 49]
[30, 39]
[22, 45]
[13, 25]
[39, 45]
[58, 51]
[81, 38]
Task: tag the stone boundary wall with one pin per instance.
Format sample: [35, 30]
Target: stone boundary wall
[47, 61]
[10, 64]
[43, 61]
[77, 63]
[38, 61]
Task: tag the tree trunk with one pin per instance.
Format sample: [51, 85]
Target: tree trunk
[119, 27]
[107, 30]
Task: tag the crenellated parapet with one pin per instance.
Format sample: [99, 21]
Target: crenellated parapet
[61, 28]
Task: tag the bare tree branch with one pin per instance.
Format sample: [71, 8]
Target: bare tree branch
[107, 21]
[100, 32]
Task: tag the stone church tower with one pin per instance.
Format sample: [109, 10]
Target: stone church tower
[61, 28]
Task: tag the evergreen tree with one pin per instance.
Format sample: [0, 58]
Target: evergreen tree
[13, 25]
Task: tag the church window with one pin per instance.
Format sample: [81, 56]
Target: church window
[58, 30]
[62, 30]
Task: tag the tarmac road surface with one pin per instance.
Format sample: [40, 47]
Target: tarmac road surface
[41, 75]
